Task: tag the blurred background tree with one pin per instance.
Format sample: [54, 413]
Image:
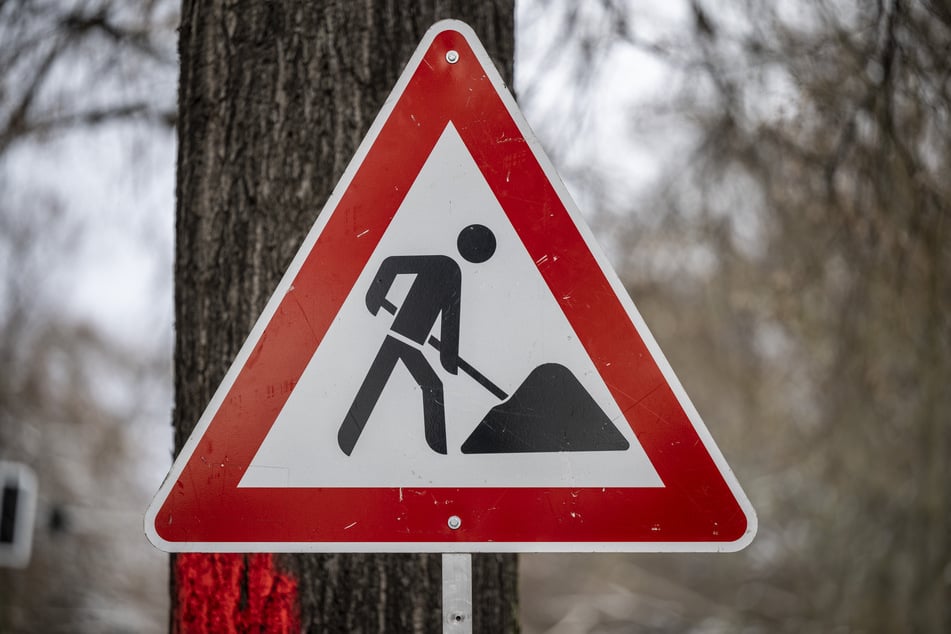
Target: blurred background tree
[793, 261]
[272, 110]
[769, 179]
[86, 95]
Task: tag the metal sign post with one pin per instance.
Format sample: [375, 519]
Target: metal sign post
[457, 593]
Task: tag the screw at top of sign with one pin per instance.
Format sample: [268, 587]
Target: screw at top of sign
[452, 57]
[454, 522]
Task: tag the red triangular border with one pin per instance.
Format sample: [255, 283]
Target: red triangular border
[200, 507]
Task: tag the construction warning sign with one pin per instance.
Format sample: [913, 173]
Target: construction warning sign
[450, 364]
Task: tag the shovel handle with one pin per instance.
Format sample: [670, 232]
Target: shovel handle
[477, 376]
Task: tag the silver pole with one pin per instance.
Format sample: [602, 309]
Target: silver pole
[457, 593]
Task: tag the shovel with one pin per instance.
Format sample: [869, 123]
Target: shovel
[549, 412]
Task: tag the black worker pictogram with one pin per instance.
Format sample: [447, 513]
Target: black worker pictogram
[549, 412]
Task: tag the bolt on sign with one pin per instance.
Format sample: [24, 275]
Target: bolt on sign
[450, 364]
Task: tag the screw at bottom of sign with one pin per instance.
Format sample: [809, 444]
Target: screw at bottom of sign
[454, 522]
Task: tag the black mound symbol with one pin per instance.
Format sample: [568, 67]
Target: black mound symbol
[550, 411]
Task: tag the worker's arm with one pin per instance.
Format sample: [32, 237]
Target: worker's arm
[449, 332]
[382, 282]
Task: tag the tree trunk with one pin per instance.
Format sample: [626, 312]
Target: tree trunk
[274, 98]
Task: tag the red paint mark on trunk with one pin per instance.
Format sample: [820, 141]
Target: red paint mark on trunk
[234, 594]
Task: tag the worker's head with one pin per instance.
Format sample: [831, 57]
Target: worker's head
[476, 243]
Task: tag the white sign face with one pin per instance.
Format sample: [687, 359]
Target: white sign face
[450, 365]
[509, 325]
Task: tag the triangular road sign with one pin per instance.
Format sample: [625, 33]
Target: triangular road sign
[450, 365]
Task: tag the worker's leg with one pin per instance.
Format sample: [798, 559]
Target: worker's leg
[369, 393]
[434, 408]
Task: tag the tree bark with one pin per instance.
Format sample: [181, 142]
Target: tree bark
[274, 98]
